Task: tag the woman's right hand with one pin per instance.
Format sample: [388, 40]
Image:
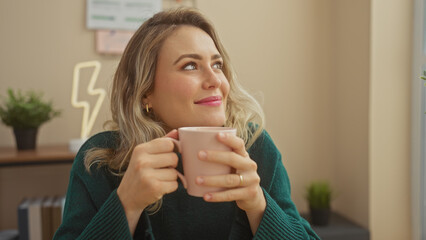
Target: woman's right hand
[150, 175]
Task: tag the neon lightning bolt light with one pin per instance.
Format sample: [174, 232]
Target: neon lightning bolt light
[87, 122]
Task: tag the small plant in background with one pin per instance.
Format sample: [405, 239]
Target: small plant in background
[26, 110]
[424, 76]
[319, 195]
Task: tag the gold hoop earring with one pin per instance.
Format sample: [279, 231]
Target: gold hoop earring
[147, 107]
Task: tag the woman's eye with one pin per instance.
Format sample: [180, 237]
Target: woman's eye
[218, 65]
[189, 66]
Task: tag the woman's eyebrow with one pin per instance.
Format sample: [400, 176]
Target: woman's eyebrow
[195, 56]
[216, 56]
[191, 55]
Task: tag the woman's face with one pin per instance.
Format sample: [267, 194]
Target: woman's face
[190, 88]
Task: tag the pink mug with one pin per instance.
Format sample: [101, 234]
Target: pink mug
[191, 141]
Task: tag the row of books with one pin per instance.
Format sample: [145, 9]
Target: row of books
[40, 217]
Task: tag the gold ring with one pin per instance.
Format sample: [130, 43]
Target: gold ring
[241, 179]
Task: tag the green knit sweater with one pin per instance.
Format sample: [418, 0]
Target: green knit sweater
[94, 211]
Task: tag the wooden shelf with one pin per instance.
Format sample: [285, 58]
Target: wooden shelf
[57, 154]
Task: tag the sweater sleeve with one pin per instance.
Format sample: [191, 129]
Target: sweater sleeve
[92, 208]
[82, 220]
[281, 220]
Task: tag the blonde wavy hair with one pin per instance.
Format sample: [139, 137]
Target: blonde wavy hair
[134, 80]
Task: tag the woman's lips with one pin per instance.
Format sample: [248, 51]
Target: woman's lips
[210, 101]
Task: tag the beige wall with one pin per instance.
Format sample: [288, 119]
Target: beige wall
[351, 88]
[389, 155]
[317, 66]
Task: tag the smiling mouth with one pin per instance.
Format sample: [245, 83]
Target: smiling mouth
[210, 101]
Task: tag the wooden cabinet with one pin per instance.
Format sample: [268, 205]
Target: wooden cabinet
[41, 172]
[9, 156]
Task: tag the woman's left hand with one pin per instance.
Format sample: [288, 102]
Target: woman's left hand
[243, 185]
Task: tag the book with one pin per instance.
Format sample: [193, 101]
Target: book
[46, 218]
[40, 217]
[23, 219]
[34, 218]
[57, 207]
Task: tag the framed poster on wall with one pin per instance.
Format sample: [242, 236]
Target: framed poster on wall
[120, 14]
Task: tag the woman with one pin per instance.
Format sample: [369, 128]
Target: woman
[124, 183]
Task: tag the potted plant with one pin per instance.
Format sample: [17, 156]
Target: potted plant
[423, 76]
[25, 112]
[318, 195]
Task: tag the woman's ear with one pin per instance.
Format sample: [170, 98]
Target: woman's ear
[146, 100]
[147, 104]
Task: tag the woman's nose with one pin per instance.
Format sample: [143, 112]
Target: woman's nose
[211, 79]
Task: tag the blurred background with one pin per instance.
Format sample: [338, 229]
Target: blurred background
[333, 76]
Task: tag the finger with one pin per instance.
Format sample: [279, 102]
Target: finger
[227, 196]
[169, 187]
[158, 145]
[166, 174]
[229, 180]
[235, 143]
[228, 158]
[162, 160]
[173, 134]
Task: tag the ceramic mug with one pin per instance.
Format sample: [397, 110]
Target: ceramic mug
[191, 141]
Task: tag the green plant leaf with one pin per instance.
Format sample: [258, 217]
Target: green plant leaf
[319, 194]
[424, 77]
[26, 110]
